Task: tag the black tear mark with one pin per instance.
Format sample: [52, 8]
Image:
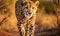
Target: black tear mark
[2, 21]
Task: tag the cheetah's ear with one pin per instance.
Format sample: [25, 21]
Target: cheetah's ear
[37, 3]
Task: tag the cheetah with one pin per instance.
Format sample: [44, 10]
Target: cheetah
[26, 15]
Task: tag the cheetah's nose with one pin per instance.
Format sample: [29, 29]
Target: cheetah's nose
[29, 13]
[26, 7]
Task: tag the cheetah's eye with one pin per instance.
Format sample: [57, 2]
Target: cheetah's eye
[32, 7]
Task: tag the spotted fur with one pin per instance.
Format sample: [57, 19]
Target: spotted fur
[26, 15]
